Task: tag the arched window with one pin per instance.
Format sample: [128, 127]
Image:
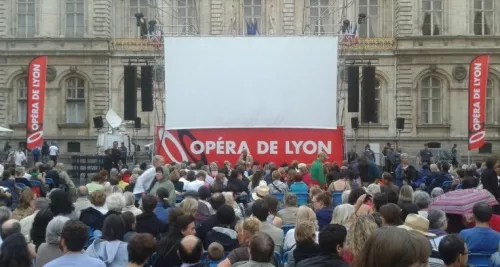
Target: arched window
[75, 100]
[22, 99]
[490, 101]
[430, 100]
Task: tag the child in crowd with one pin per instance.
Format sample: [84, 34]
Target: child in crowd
[215, 254]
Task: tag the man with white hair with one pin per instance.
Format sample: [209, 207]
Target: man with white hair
[144, 181]
[129, 199]
[27, 222]
[5, 215]
[115, 202]
[82, 202]
[50, 249]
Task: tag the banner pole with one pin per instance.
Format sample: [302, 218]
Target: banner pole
[468, 157]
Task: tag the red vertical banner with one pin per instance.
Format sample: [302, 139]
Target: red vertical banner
[478, 79]
[37, 71]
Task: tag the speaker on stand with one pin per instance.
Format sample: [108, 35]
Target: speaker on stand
[355, 127]
[400, 126]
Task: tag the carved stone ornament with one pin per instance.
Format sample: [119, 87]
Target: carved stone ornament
[459, 73]
[51, 73]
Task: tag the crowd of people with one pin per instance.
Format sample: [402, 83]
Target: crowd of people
[246, 214]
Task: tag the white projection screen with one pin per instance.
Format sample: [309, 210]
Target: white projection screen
[250, 82]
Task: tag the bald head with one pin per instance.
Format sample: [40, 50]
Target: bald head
[83, 191]
[10, 227]
[190, 249]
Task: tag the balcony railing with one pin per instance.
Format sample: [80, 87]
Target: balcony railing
[136, 44]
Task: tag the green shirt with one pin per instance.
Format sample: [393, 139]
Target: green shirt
[317, 172]
[169, 186]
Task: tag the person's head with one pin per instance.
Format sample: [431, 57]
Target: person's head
[158, 161]
[215, 251]
[40, 222]
[355, 194]
[290, 200]
[54, 229]
[189, 206]
[115, 202]
[181, 225]
[379, 199]
[394, 243]
[482, 212]
[113, 228]
[129, 199]
[437, 219]
[27, 196]
[387, 178]
[453, 251]
[19, 171]
[437, 191]
[304, 213]
[204, 193]
[421, 199]
[41, 203]
[162, 194]
[261, 247]
[322, 157]
[305, 233]
[272, 204]
[406, 193]
[5, 175]
[82, 192]
[322, 200]
[191, 176]
[260, 210]
[276, 175]
[332, 238]
[404, 158]
[140, 247]
[159, 173]
[342, 214]
[129, 221]
[391, 214]
[149, 203]
[5, 214]
[10, 227]
[15, 251]
[217, 200]
[445, 167]
[408, 208]
[74, 236]
[246, 229]
[373, 189]
[225, 215]
[359, 232]
[98, 198]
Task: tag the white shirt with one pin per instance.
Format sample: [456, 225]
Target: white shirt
[53, 150]
[209, 179]
[27, 176]
[19, 157]
[193, 186]
[144, 181]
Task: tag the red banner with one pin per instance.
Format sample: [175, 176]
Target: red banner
[478, 79]
[265, 145]
[36, 102]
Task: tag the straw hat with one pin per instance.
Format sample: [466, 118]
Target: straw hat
[417, 223]
[260, 192]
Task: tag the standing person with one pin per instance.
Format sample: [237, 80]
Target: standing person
[454, 152]
[146, 178]
[352, 155]
[425, 155]
[19, 157]
[405, 173]
[36, 154]
[107, 161]
[489, 178]
[123, 153]
[261, 251]
[317, 174]
[53, 152]
[115, 154]
[140, 248]
[246, 159]
[369, 154]
[45, 151]
[74, 236]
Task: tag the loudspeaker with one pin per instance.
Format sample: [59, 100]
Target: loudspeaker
[130, 93]
[400, 123]
[137, 123]
[98, 122]
[354, 123]
[368, 111]
[147, 88]
[353, 89]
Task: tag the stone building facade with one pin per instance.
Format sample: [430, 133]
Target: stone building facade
[420, 48]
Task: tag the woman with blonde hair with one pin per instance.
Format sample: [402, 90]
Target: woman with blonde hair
[362, 228]
[25, 207]
[277, 186]
[405, 195]
[304, 214]
[246, 229]
[238, 211]
[306, 246]
[189, 206]
[342, 214]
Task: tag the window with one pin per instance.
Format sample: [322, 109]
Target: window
[22, 99]
[320, 17]
[187, 17]
[484, 16]
[369, 27]
[252, 15]
[431, 95]
[75, 18]
[376, 117]
[74, 147]
[490, 104]
[137, 6]
[75, 100]
[25, 18]
[432, 17]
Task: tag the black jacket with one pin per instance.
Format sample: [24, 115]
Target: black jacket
[326, 260]
[149, 223]
[304, 251]
[489, 180]
[92, 218]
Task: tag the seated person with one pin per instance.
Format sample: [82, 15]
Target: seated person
[481, 238]
[215, 252]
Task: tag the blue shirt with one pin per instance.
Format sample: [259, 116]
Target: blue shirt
[75, 260]
[162, 213]
[298, 187]
[481, 240]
